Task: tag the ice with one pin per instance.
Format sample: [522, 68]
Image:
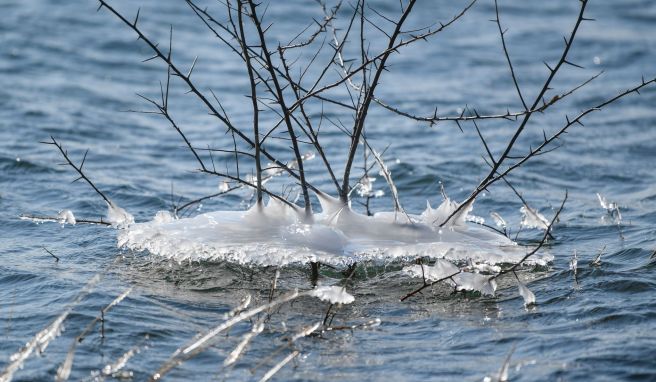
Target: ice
[612, 208]
[468, 281]
[527, 295]
[498, 220]
[440, 270]
[278, 234]
[66, 217]
[332, 294]
[117, 216]
[605, 204]
[163, 217]
[533, 219]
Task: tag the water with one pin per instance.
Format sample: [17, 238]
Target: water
[68, 71]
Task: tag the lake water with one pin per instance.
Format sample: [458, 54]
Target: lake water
[71, 72]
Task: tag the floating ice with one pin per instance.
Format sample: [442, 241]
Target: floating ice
[332, 294]
[279, 234]
[66, 217]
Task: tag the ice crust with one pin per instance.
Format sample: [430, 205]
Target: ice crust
[277, 234]
[332, 294]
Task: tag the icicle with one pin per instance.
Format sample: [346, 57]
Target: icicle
[573, 263]
[529, 297]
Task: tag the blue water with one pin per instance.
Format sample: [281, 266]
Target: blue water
[70, 72]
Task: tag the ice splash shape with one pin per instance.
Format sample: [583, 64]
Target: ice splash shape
[527, 295]
[533, 219]
[499, 221]
[605, 204]
[278, 234]
[66, 217]
[438, 216]
[612, 208]
[117, 216]
[332, 294]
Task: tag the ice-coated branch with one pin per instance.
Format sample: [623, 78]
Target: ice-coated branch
[41, 218]
[64, 370]
[197, 346]
[42, 339]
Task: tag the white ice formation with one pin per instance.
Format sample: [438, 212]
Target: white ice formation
[527, 295]
[332, 294]
[66, 217]
[117, 216]
[278, 234]
[533, 219]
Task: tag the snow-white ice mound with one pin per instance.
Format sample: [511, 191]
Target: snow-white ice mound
[278, 234]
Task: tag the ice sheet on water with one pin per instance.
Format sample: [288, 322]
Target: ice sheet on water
[277, 234]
